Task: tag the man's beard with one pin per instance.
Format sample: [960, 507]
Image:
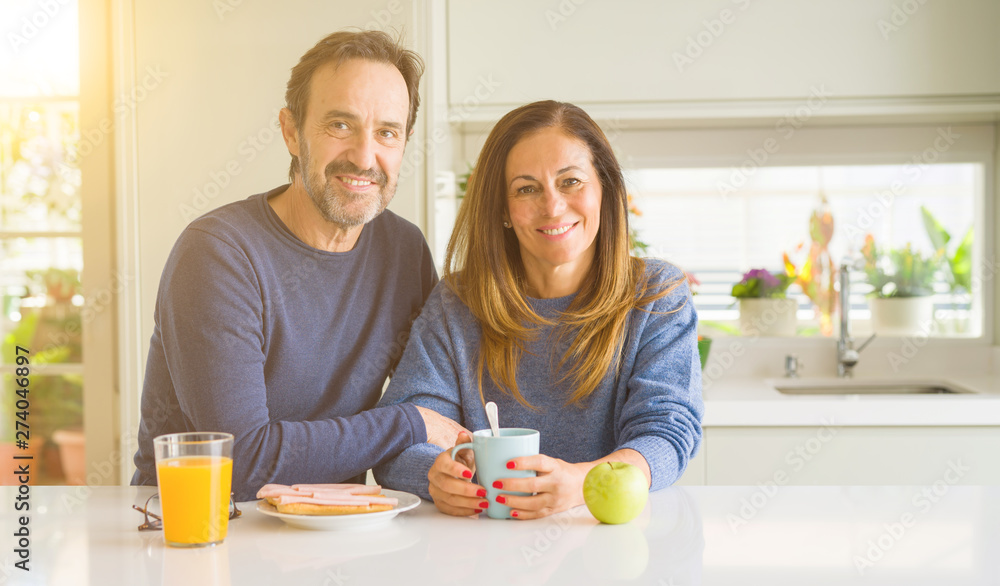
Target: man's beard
[337, 204]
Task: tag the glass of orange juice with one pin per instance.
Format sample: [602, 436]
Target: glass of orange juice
[194, 472]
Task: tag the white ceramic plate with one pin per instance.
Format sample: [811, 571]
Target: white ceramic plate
[406, 502]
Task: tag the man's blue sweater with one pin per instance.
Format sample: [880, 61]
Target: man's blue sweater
[285, 346]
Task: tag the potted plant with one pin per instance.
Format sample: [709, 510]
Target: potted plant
[957, 265]
[765, 309]
[9, 411]
[57, 338]
[52, 332]
[902, 280]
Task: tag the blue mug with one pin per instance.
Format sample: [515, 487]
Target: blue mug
[492, 454]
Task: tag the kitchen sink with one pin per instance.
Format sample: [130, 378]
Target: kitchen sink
[867, 387]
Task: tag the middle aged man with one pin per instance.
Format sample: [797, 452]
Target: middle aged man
[278, 317]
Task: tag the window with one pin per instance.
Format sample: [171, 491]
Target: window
[690, 216]
[46, 235]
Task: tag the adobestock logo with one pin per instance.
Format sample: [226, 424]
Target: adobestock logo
[247, 150]
[913, 169]
[922, 503]
[31, 26]
[712, 29]
[796, 458]
[785, 127]
[901, 14]
[486, 87]
[563, 11]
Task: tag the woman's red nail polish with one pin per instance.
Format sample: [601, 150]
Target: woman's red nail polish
[497, 484]
[481, 492]
[466, 474]
[510, 465]
[502, 499]
[479, 511]
[513, 514]
[484, 505]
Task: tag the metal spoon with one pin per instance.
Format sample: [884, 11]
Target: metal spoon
[491, 415]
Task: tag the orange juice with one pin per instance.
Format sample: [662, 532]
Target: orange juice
[194, 495]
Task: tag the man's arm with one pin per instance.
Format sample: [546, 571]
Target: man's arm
[426, 376]
[211, 320]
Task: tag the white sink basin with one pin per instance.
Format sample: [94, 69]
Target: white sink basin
[866, 387]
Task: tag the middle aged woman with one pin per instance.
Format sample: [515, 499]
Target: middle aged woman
[543, 310]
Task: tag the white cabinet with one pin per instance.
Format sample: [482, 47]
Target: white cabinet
[694, 474]
[650, 51]
[851, 455]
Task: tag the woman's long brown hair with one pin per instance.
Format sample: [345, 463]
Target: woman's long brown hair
[483, 261]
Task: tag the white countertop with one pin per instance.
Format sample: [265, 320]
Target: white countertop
[749, 401]
[686, 536]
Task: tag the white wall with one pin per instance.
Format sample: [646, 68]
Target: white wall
[667, 51]
[995, 257]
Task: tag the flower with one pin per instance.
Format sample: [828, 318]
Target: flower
[632, 208]
[636, 244]
[760, 283]
[765, 276]
[692, 282]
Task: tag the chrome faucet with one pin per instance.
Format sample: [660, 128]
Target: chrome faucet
[792, 366]
[847, 356]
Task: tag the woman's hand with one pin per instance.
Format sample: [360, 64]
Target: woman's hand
[558, 486]
[451, 486]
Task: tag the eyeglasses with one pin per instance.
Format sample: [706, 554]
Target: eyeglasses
[156, 523]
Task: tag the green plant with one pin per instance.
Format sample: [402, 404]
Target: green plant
[462, 182]
[39, 171]
[704, 342]
[52, 334]
[638, 246]
[899, 272]
[723, 328]
[959, 264]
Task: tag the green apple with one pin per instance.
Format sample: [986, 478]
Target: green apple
[615, 492]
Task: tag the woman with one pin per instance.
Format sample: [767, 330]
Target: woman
[543, 310]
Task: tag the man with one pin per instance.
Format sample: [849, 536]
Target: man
[279, 317]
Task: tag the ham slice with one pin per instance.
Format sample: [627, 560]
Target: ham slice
[346, 500]
[348, 488]
[325, 494]
[275, 490]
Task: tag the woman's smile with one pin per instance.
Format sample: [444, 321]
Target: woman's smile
[558, 231]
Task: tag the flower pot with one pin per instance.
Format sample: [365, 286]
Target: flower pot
[51, 463]
[8, 471]
[902, 316]
[768, 317]
[72, 454]
[704, 345]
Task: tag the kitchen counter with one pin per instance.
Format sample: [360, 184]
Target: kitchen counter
[940, 534]
[753, 402]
